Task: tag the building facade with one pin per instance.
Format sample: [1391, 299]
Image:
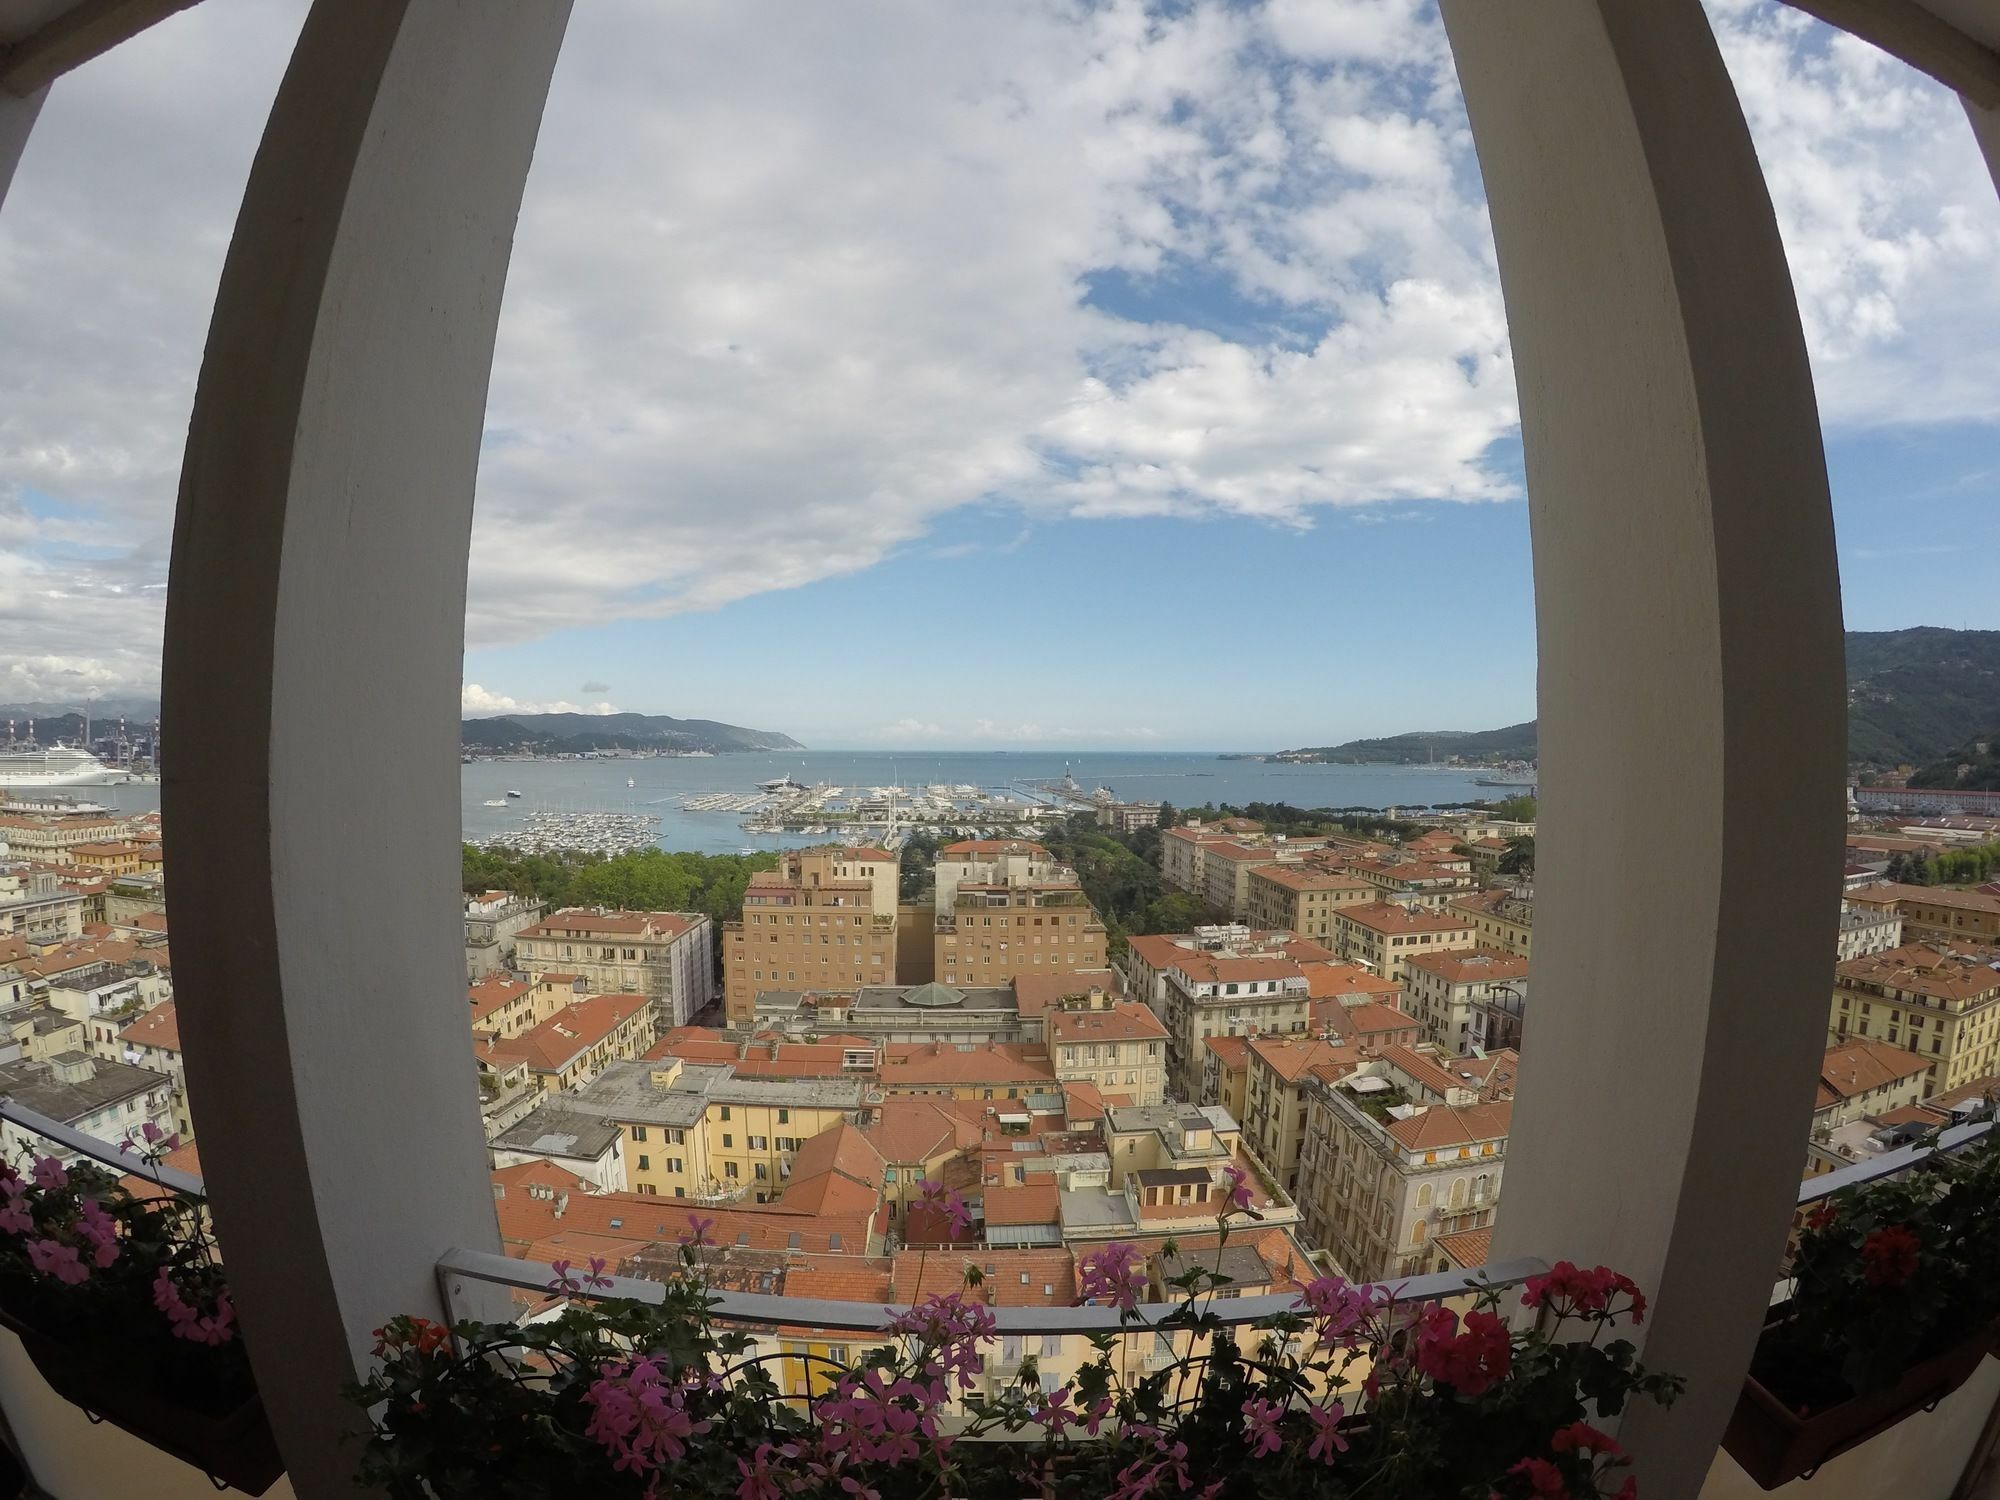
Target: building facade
[1442, 990]
[493, 920]
[996, 930]
[1382, 936]
[1302, 898]
[667, 956]
[824, 919]
[1941, 1003]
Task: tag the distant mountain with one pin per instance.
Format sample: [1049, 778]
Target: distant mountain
[574, 733]
[1515, 742]
[1914, 697]
[1974, 766]
[132, 709]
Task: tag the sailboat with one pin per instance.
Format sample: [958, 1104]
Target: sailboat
[630, 783]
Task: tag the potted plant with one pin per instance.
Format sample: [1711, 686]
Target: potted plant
[120, 1302]
[1350, 1394]
[1893, 1304]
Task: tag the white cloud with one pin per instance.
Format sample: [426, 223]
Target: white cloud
[784, 295]
[474, 702]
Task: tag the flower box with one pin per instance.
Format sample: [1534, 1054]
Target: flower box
[1773, 1444]
[235, 1449]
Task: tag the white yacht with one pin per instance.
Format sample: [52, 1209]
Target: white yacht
[59, 765]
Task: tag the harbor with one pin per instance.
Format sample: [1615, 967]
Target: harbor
[604, 833]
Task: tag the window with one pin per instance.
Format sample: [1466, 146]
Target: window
[762, 1175]
[638, 1132]
[729, 1143]
[729, 1169]
[725, 1113]
[784, 1117]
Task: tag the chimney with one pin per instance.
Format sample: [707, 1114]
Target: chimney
[562, 1204]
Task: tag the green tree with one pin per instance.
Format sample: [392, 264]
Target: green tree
[1515, 809]
[1519, 856]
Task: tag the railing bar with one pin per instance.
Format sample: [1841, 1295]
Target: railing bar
[71, 1139]
[1952, 1138]
[865, 1317]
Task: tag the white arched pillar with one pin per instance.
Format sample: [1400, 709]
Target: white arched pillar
[315, 629]
[1692, 702]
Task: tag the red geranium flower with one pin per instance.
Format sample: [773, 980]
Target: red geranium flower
[1471, 1362]
[1545, 1480]
[1822, 1216]
[1583, 1435]
[1889, 1256]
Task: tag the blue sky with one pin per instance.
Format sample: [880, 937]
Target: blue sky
[1155, 353]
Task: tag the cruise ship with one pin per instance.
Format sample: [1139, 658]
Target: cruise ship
[59, 765]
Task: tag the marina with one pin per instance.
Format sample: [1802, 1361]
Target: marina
[703, 802]
[604, 833]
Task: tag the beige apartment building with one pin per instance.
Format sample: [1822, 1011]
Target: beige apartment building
[824, 919]
[1941, 1003]
[493, 920]
[1501, 918]
[1859, 1080]
[1118, 1045]
[667, 956]
[1209, 994]
[1383, 936]
[1419, 882]
[1931, 914]
[698, 1131]
[1225, 1073]
[1275, 1104]
[1302, 898]
[1183, 855]
[1443, 990]
[51, 837]
[991, 862]
[997, 930]
[1379, 1181]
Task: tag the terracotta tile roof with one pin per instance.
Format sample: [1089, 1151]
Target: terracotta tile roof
[1955, 973]
[1326, 981]
[1083, 1101]
[1365, 1023]
[1912, 1114]
[1929, 895]
[841, 1279]
[494, 993]
[158, 1027]
[577, 1027]
[910, 1130]
[611, 924]
[1035, 993]
[1029, 1203]
[623, 1221]
[828, 1194]
[1382, 916]
[1467, 966]
[1233, 1050]
[994, 1064]
[1467, 1248]
[1308, 878]
[1290, 1056]
[1001, 1277]
[1127, 1021]
[839, 1148]
[1203, 968]
[1442, 1126]
[1859, 1065]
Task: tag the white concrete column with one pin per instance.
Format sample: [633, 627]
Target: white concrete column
[315, 628]
[17, 120]
[1692, 725]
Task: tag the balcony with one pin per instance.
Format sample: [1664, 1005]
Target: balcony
[1687, 597]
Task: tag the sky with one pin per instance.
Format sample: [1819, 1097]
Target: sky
[954, 374]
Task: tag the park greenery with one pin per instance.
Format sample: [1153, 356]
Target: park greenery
[1967, 866]
[643, 880]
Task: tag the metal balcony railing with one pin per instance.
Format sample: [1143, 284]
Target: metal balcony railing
[76, 1143]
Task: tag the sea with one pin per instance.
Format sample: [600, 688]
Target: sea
[1186, 779]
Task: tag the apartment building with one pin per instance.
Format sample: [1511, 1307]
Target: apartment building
[1225, 1074]
[996, 930]
[1275, 1107]
[1442, 990]
[1498, 1017]
[116, 856]
[153, 1042]
[36, 904]
[1931, 914]
[493, 920]
[574, 1044]
[1302, 898]
[51, 836]
[1223, 995]
[666, 956]
[1941, 1003]
[1119, 1046]
[1859, 1080]
[967, 1070]
[1382, 936]
[1226, 870]
[1418, 882]
[1867, 929]
[1183, 855]
[1382, 1177]
[699, 1131]
[991, 862]
[1503, 918]
[113, 1101]
[1128, 817]
[824, 919]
